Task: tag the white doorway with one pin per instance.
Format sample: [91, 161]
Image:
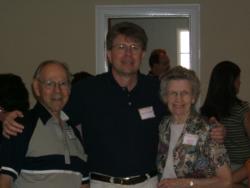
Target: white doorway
[190, 13]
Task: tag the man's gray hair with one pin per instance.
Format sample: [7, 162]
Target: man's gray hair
[49, 62]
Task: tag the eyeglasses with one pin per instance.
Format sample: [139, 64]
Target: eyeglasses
[176, 94]
[49, 84]
[122, 48]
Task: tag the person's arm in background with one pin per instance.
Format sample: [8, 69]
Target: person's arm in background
[239, 175]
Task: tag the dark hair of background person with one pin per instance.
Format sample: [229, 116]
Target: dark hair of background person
[13, 93]
[155, 56]
[221, 94]
[80, 76]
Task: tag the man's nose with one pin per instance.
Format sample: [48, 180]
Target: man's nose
[57, 87]
[128, 50]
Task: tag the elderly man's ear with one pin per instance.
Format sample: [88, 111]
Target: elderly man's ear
[35, 88]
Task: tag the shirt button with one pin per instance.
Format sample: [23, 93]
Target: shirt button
[129, 103]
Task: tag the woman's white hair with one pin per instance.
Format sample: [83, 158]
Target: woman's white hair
[180, 73]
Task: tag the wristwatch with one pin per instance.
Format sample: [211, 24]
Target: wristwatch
[191, 183]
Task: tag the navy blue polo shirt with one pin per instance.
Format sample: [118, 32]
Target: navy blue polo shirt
[120, 127]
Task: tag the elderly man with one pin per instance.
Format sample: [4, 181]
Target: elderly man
[49, 153]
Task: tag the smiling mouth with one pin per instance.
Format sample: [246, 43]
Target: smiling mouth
[57, 98]
[179, 108]
[127, 62]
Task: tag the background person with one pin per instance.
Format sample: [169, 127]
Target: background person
[79, 76]
[48, 153]
[223, 103]
[159, 63]
[187, 157]
[13, 95]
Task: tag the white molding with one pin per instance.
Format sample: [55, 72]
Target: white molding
[104, 12]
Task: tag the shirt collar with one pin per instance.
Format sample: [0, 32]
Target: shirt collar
[113, 81]
[45, 115]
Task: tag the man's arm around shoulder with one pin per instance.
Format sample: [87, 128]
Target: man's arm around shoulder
[10, 126]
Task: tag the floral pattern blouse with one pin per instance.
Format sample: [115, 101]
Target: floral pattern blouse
[196, 160]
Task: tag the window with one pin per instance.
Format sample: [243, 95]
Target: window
[183, 48]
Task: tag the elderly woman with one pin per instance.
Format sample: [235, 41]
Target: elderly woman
[187, 156]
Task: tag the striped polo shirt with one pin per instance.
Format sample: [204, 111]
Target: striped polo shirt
[45, 154]
[237, 141]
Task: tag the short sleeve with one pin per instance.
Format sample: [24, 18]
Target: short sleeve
[217, 154]
[13, 152]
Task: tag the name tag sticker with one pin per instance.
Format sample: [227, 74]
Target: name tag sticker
[190, 139]
[70, 134]
[146, 113]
